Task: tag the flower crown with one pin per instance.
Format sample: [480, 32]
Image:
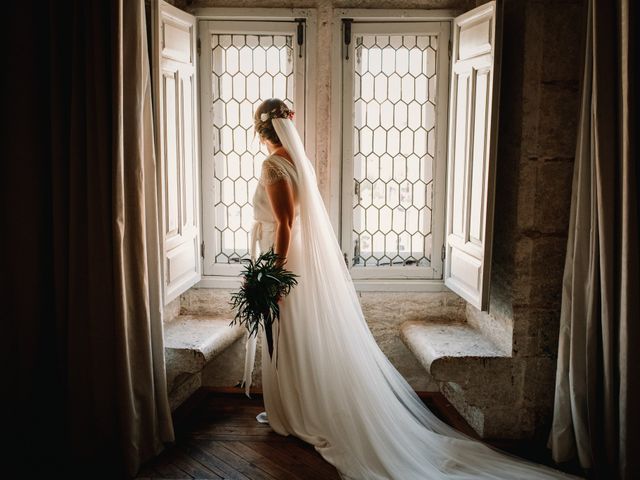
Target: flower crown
[277, 113]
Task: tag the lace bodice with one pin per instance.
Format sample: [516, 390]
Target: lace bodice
[274, 168]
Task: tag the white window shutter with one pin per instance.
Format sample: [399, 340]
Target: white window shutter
[177, 146]
[472, 154]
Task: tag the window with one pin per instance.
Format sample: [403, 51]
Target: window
[417, 103]
[242, 63]
[413, 130]
[395, 85]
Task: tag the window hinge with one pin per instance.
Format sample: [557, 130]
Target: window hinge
[442, 254]
[346, 262]
[198, 46]
[346, 25]
[356, 189]
[356, 252]
[450, 48]
[202, 249]
[300, 34]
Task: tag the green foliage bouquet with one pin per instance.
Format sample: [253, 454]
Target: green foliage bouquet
[257, 300]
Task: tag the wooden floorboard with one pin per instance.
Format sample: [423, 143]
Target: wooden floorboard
[218, 436]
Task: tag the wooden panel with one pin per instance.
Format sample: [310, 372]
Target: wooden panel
[189, 200]
[460, 155]
[478, 170]
[181, 261]
[471, 156]
[176, 39]
[475, 38]
[171, 154]
[179, 163]
[466, 268]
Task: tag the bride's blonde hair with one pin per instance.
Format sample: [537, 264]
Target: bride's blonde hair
[271, 108]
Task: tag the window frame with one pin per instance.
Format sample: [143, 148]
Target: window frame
[434, 271]
[341, 184]
[227, 276]
[334, 168]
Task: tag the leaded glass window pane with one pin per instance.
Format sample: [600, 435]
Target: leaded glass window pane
[246, 69]
[394, 149]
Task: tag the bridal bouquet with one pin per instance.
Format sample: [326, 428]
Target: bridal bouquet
[257, 300]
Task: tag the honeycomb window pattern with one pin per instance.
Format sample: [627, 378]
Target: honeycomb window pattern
[246, 69]
[394, 148]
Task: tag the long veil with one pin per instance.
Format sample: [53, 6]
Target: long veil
[376, 425]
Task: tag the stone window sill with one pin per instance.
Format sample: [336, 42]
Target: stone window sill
[388, 285]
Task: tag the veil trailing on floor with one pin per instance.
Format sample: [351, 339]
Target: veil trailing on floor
[375, 425]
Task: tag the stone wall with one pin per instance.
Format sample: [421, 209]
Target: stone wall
[537, 137]
[383, 311]
[171, 310]
[550, 99]
[538, 113]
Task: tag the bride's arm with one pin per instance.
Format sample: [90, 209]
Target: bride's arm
[280, 194]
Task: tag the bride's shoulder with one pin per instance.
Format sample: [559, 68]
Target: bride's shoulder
[274, 157]
[273, 170]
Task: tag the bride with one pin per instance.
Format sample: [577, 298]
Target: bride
[333, 387]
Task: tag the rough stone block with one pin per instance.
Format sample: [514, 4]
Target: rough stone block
[547, 269]
[227, 369]
[525, 346]
[448, 350]
[491, 420]
[384, 313]
[474, 416]
[187, 385]
[207, 301]
[171, 311]
[553, 196]
[192, 341]
[496, 324]
[522, 264]
[532, 68]
[548, 340]
[528, 182]
[539, 382]
[562, 42]
[558, 120]
[541, 324]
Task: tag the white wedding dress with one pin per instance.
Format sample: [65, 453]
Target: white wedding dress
[333, 387]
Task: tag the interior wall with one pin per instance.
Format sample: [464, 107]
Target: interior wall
[538, 112]
[376, 305]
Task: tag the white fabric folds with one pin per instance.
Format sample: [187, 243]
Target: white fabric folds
[339, 391]
[259, 227]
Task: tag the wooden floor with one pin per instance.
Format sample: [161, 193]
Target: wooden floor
[217, 436]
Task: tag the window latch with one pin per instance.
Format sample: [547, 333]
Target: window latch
[356, 252]
[346, 24]
[300, 34]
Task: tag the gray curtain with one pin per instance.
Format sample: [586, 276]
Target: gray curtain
[596, 412]
[79, 253]
[145, 415]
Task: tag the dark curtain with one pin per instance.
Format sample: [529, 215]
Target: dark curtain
[596, 416]
[87, 391]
